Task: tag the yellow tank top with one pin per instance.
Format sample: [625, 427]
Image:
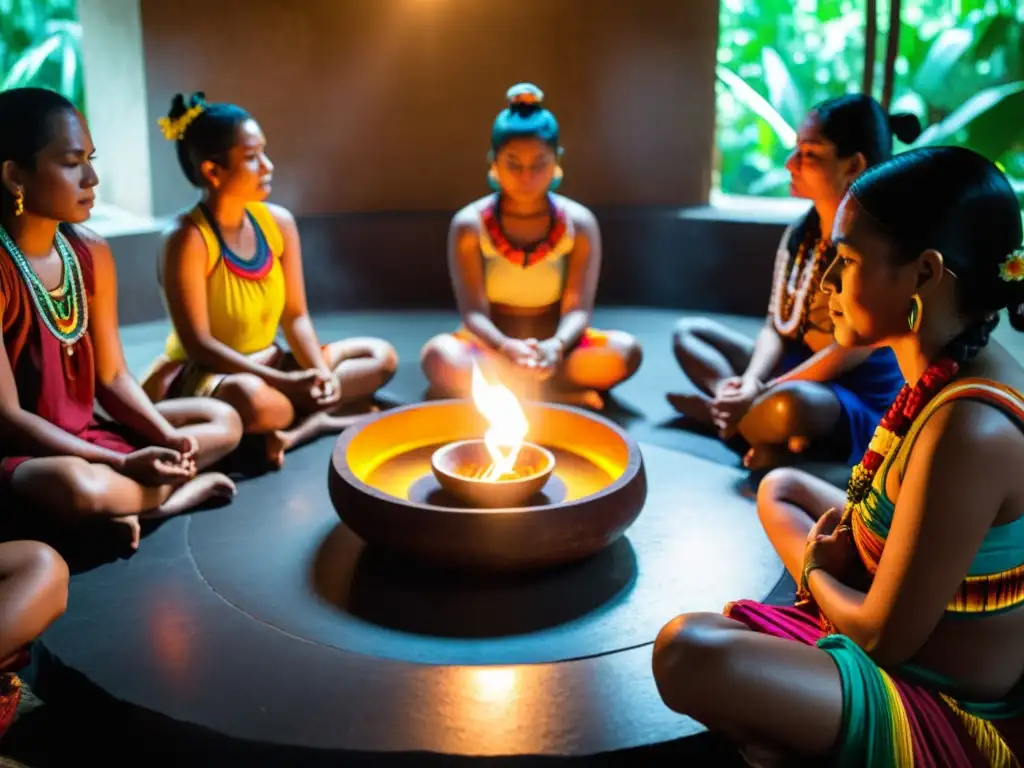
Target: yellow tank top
[244, 298]
[538, 285]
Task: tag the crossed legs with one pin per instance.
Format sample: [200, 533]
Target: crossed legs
[447, 362]
[74, 489]
[752, 687]
[363, 365]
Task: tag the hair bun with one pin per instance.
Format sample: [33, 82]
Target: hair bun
[905, 126]
[524, 97]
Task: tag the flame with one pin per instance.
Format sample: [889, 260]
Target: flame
[508, 423]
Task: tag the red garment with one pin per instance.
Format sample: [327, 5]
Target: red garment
[60, 388]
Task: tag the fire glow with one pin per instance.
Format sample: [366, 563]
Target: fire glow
[508, 425]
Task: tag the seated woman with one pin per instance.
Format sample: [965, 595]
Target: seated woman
[793, 386]
[524, 265]
[62, 352]
[905, 648]
[232, 276]
[33, 593]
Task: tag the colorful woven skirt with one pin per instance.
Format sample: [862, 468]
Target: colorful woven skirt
[895, 720]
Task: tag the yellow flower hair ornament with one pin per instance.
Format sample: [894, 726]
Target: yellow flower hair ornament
[1012, 270]
[174, 130]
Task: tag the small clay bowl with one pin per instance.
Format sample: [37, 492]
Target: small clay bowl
[457, 467]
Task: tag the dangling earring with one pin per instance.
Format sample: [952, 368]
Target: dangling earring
[492, 180]
[556, 180]
[19, 203]
[916, 311]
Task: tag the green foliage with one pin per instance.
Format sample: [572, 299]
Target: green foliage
[40, 45]
[960, 69]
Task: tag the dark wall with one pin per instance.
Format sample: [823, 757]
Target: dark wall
[378, 115]
[652, 257]
[385, 105]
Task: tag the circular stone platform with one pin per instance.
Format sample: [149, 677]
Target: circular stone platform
[269, 621]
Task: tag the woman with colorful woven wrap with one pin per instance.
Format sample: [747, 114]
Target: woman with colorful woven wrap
[793, 389]
[524, 264]
[62, 351]
[904, 646]
[232, 278]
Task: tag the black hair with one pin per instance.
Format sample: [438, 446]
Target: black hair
[854, 123]
[209, 135]
[26, 127]
[857, 123]
[524, 118]
[960, 204]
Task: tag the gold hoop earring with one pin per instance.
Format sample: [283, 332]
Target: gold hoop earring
[19, 203]
[915, 314]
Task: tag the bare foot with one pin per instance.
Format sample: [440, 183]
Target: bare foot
[131, 527]
[276, 445]
[587, 398]
[798, 444]
[766, 456]
[200, 489]
[694, 405]
[337, 422]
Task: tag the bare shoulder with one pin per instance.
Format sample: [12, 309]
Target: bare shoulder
[182, 234]
[969, 437]
[583, 218]
[282, 216]
[97, 245]
[466, 220]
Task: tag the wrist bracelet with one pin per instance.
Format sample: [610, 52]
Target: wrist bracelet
[803, 591]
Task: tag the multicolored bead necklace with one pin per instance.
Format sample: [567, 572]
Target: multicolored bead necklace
[908, 405]
[65, 315]
[491, 216]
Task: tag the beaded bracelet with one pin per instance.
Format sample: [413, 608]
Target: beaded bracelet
[803, 592]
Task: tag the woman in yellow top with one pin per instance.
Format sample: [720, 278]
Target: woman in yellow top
[524, 264]
[232, 276]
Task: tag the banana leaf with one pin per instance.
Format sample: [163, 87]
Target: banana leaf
[783, 92]
[990, 122]
[757, 104]
[950, 74]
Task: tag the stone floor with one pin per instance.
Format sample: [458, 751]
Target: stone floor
[639, 405]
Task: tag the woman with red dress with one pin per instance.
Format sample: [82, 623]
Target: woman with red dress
[62, 352]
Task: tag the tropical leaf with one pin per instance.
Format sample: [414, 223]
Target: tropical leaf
[950, 72]
[774, 183]
[757, 104]
[990, 122]
[783, 93]
[27, 67]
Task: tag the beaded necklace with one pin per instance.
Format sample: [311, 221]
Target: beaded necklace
[792, 287]
[908, 405]
[256, 268]
[524, 257]
[65, 315]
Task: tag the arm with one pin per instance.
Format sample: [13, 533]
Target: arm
[468, 278]
[826, 364]
[184, 273]
[960, 463]
[768, 346]
[582, 274]
[295, 322]
[767, 353]
[117, 391]
[33, 435]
